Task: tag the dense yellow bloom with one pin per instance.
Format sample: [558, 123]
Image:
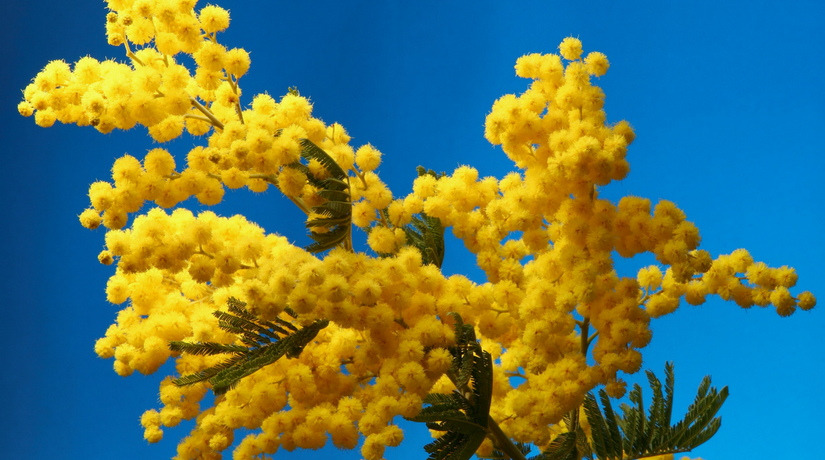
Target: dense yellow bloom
[542, 235]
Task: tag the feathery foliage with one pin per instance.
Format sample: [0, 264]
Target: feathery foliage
[266, 342]
[463, 414]
[426, 232]
[497, 454]
[336, 213]
[635, 434]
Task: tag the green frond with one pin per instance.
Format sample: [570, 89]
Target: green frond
[455, 424]
[700, 419]
[207, 374]
[436, 399]
[335, 208]
[463, 418]
[205, 348]
[563, 447]
[423, 171]
[310, 151]
[483, 384]
[324, 241]
[637, 434]
[238, 308]
[264, 347]
[334, 195]
[427, 234]
[242, 323]
[669, 380]
[598, 427]
[614, 435]
[297, 165]
[522, 447]
[336, 213]
[440, 444]
[657, 408]
[582, 444]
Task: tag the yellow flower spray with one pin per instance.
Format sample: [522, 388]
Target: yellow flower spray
[552, 295]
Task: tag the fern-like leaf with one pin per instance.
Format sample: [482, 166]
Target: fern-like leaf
[462, 416]
[334, 215]
[426, 233]
[636, 434]
[266, 343]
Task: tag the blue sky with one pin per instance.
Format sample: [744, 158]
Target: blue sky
[725, 97]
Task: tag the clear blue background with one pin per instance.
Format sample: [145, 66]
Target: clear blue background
[726, 99]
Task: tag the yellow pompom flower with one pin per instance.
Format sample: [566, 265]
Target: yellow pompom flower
[210, 56]
[45, 118]
[382, 240]
[596, 63]
[378, 195]
[212, 192]
[237, 62]
[367, 158]
[363, 213]
[571, 48]
[90, 219]
[806, 301]
[291, 181]
[234, 178]
[650, 277]
[213, 19]
[425, 186]
[105, 257]
[783, 301]
[101, 195]
[25, 108]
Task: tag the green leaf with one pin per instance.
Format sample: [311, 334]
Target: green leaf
[205, 348]
[266, 343]
[614, 435]
[563, 447]
[310, 151]
[636, 434]
[324, 241]
[463, 417]
[336, 212]
[598, 427]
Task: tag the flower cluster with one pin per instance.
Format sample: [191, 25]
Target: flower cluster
[542, 235]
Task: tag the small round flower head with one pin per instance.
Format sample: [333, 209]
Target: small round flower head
[90, 219]
[105, 257]
[650, 277]
[45, 118]
[167, 43]
[211, 57]
[596, 63]
[101, 195]
[806, 301]
[616, 388]
[213, 19]
[291, 181]
[624, 129]
[382, 240]
[212, 193]
[25, 108]
[234, 177]
[528, 66]
[367, 158]
[783, 301]
[237, 62]
[571, 48]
